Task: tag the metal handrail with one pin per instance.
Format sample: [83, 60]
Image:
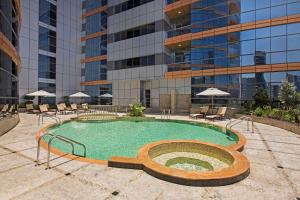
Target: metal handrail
[61, 138]
[240, 120]
[53, 136]
[42, 115]
[164, 116]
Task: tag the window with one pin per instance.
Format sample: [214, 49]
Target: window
[47, 67]
[47, 12]
[47, 39]
[134, 32]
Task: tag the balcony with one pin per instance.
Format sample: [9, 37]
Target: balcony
[179, 62]
[179, 31]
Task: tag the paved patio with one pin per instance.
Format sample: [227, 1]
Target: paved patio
[274, 155]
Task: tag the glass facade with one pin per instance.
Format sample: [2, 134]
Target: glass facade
[96, 23]
[126, 6]
[8, 70]
[47, 43]
[95, 47]
[47, 67]
[47, 39]
[47, 12]
[95, 71]
[258, 47]
[92, 4]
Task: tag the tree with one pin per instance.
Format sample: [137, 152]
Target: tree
[66, 100]
[261, 97]
[288, 94]
[136, 109]
[28, 99]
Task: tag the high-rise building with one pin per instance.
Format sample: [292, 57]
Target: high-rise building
[235, 45]
[94, 50]
[50, 47]
[10, 22]
[160, 52]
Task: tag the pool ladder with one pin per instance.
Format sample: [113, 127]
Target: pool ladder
[56, 137]
[165, 115]
[241, 119]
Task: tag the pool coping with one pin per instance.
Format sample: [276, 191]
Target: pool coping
[238, 170]
[128, 162]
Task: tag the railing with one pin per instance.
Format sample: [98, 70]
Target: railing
[165, 115]
[179, 31]
[58, 137]
[195, 27]
[54, 117]
[100, 113]
[180, 59]
[230, 124]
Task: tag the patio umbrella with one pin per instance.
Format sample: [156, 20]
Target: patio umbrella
[213, 92]
[41, 93]
[107, 95]
[79, 94]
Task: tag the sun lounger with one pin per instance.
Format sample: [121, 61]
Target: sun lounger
[219, 115]
[44, 110]
[30, 109]
[75, 108]
[61, 109]
[5, 108]
[10, 111]
[202, 113]
[4, 111]
[65, 107]
[85, 107]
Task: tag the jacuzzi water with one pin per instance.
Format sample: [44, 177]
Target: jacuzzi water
[190, 161]
[104, 139]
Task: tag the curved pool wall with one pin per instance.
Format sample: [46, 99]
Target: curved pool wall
[235, 146]
[138, 162]
[238, 165]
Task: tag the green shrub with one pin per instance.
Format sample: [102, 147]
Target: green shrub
[276, 113]
[136, 110]
[288, 117]
[295, 113]
[266, 111]
[258, 111]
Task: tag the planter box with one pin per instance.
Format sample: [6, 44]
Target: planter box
[293, 127]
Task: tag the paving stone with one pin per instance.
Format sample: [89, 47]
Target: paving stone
[72, 179]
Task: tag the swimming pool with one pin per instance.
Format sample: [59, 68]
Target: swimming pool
[124, 138]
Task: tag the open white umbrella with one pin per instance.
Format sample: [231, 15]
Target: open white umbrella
[213, 92]
[107, 95]
[79, 94]
[41, 93]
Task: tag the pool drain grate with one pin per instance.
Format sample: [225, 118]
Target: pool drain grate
[115, 193]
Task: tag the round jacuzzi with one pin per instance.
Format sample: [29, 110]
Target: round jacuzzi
[194, 163]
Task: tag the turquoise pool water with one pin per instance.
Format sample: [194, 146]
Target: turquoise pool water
[124, 138]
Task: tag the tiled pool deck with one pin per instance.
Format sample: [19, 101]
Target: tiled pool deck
[274, 155]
